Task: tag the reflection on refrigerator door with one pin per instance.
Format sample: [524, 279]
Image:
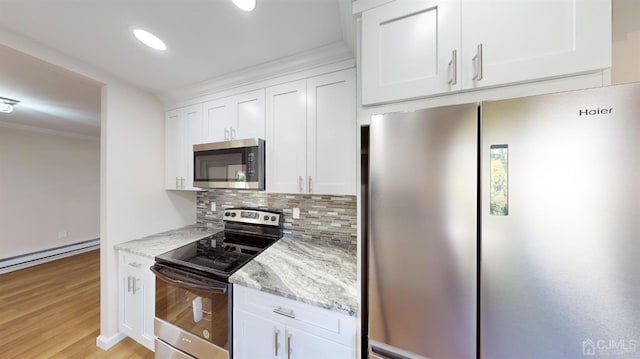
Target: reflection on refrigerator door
[422, 247]
[560, 273]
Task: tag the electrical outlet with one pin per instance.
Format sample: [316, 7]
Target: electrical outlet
[296, 213]
[213, 206]
[62, 234]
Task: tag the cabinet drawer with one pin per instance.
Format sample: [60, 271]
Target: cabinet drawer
[135, 262]
[324, 323]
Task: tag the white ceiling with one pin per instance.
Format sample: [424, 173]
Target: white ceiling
[205, 39]
[51, 98]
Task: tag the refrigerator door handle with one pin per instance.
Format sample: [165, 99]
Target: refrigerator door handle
[385, 351]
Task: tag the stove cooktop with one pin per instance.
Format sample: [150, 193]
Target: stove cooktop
[210, 256]
[247, 233]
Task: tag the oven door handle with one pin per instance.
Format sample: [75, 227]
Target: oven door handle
[189, 285]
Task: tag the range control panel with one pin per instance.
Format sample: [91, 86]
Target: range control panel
[252, 216]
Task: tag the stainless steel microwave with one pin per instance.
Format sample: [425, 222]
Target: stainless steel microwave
[236, 164]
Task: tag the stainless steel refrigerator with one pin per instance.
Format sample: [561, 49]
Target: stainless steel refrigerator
[507, 229]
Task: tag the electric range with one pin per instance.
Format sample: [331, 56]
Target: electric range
[193, 295]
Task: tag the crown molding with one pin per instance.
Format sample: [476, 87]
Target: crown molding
[321, 56]
[47, 131]
[347, 24]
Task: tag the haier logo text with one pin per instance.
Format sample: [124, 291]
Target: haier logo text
[597, 111]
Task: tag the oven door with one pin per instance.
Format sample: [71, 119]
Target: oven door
[193, 312]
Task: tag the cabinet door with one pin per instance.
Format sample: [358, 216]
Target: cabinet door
[286, 137]
[217, 120]
[173, 138]
[255, 337]
[408, 49]
[192, 122]
[331, 133]
[302, 345]
[524, 40]
[248, 114]
[131, 308]
[136, 298]
[147, 292]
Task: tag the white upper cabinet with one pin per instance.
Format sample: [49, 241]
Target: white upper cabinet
[235, 117]
[419, 48]
[286, 137]
[217, 120]
[248, 112]
[173, 141]
[182, 130]
[311, 135]
[410, 49]
[331, 133]
[524, 40]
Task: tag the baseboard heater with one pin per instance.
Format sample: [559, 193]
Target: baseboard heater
[30, 259]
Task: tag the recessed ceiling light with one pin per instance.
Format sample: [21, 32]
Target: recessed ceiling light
[149, 39]
[246, 5]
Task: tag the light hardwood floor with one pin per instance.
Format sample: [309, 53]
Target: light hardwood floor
[52, 310]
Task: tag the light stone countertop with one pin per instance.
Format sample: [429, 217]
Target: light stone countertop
[159, 243]
[318, 272]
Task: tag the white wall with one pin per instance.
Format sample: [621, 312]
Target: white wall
[626, 41]
[48, 184]
[133, 202]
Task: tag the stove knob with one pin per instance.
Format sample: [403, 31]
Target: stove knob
[227, 214]
[231, 249]
[273, 218]
[266, 218]
[233, 214]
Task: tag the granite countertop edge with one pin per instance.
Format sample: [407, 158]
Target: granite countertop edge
[158, 243]
[302, 270]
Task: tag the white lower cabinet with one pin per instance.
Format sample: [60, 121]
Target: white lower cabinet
[136, 298]
[269, 326]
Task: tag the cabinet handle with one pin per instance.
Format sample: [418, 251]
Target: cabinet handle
[226, 134]
[288, 346]
[477, 64]
[276, 332]
[182, 182]
[232, 133]
[133, 286]
[177, 182]
[128, 284]
[310, 185]
[300, 181]
[453, 68]
[135, 264]
[286, 313]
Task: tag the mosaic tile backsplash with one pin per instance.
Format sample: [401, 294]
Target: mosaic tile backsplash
[321, 216]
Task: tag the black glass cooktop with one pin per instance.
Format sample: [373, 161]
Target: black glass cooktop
[219, 255]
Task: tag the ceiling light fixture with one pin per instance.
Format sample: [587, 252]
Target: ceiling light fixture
[246, 5]
[6, 104]
[149, 39]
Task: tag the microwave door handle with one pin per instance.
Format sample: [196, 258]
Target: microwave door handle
[189, 285]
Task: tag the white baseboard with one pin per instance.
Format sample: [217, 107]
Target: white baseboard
[47, 255]
[105, 343]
